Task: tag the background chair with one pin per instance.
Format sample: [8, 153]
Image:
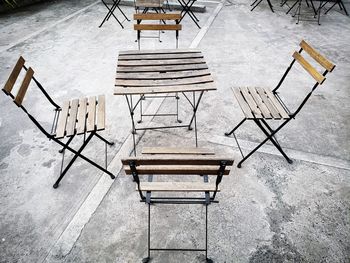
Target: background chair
[260, 105]
[174, 162]
[84, 116]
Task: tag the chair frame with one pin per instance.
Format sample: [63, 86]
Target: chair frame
[206, 200]
[57, 109]
[110, 12]
[261, 122]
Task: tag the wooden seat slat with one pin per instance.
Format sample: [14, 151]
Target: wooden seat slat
[176, 150]
[91, 111]
[162, 27]
[156, 16]
[262, 107]
[277, 104]
[62, 120]
[158, 52]
[81, 125]
[24, 86]
[317, 56]
[163, 62]
[166, 75]
[101, 109]
[160, 56]
[177, 187]
[251, 103]
[310, 69]
[163, 89]
[274, 112]
[165, 82]
[178, 169]
[178, 160]
[13, 76]
[72, 117]
[243, 104]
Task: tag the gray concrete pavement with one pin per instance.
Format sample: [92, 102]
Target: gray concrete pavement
[269, 211]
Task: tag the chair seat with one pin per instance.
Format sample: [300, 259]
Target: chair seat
[259, 103]
[80, 116]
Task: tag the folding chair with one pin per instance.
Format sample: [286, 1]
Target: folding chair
[157, 27]
[261, 104]
[173, 162]
[84, 116]
[111, 10]
[257, 2]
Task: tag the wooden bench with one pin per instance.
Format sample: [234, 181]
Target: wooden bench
[173, 163]
[157, 27]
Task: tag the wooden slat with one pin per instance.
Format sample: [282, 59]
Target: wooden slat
[165, 75]
[163, 89]
[163, 68]
[178, 160]
[251, 103]
[277, 105]
[177, 187]
[160, 56]
[72, 117]
[163, 82]
[62, 120]
[165, 62]
[274, 112]
[310, 69]
[91, 111]
[101, 109]
[243, 104]
[262, 107]
[82, 115]
[176, 150]
[13, 76]
[156, 16]
[159, 51]
[177, 169]
[157, 27]
[317, 56]
[24, 86]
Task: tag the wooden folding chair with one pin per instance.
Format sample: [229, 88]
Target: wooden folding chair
[157, 27]
[84, 116]
[262, 104]
[173, 162]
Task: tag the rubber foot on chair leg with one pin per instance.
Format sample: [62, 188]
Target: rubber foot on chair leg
[179, 121]
[112, 177]
[139, 121]
[111, 143]
[208, 260]
[227, 134]
[145, 260]
[290, 161]
[61, 151]
[190, 128]
[55, 186]
[239, 165]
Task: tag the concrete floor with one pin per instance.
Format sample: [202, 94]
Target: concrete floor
[269, 210]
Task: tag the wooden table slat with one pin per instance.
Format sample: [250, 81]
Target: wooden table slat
[160, 56]
[164, 82]
[162, 68]
[165, 75]
[159, 51]
[163, 62]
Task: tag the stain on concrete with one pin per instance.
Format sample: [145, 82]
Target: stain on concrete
[280, 248]
[3, 166]
[48, 163]
[24, 150]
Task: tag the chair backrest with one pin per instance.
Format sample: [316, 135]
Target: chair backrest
[19, 97]
[319, 77]
[157, 27]
[176, 163]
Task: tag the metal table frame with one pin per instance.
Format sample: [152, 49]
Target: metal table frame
[186, 9]
[111, 12]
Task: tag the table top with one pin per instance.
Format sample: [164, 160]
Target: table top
[162, 71]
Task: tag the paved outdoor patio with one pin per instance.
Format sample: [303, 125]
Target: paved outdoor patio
[269, 210]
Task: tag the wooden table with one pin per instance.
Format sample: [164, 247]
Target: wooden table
[162, 73]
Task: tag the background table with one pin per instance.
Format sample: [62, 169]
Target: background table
[148, 73]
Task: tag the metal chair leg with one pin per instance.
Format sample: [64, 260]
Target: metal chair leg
[233, 130]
